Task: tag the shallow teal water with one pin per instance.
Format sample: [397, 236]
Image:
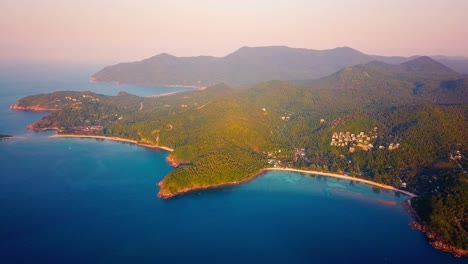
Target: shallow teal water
[94, 201]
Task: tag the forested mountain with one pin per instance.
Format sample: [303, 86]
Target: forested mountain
[459, 64]
[246, 66]
[422, 80]
[404, 123]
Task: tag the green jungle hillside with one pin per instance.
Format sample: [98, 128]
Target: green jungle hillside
[404, 125]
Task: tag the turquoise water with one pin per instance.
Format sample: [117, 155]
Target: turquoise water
[17, 81]
[94, 201]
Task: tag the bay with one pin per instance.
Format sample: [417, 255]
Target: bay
[68, 200]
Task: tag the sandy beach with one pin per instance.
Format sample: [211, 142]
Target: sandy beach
[112, 138]
[334, 175]
[165, 94]
[340, 176]
[163, 194]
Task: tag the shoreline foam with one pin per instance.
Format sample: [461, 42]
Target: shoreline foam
[264, 170]
[335, 175]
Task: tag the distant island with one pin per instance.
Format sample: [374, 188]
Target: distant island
[401, 125]
[249, 66]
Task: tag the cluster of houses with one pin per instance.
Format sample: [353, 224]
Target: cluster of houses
[392, 146]
[76, 100]
[90, 97]
[276, 163]
[69, 98]
[85, 129]
[361, 140]
[456, 156]
[348, 139]
[300, 154]
[273, 160]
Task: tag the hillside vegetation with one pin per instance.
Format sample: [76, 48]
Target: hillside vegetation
[403, 125]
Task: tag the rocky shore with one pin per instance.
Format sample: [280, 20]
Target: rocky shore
[434, 239]
[437, 242]
[166, 194]
[173, 161]
[110, 138]
[31, 108]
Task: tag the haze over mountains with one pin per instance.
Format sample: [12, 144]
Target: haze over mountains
[418, 81]
[248, 66]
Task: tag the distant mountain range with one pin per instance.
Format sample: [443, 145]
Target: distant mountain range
[249, 65]
[375, 85]
[421, 80]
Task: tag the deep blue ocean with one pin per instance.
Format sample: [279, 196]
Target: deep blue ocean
[94, 201]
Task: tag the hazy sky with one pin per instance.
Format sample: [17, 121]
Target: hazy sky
[110, 31]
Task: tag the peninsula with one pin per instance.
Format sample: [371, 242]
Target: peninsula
[401, 127]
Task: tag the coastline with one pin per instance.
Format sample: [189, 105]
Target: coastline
[345, 177]
[200, 188]
[264, 170]
[435, 240]
[113, 139]
[165, 94]
[165, 195]
[194, 87]
[32, 108]
[432, 236]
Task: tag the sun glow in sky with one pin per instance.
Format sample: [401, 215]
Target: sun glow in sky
[110, 31]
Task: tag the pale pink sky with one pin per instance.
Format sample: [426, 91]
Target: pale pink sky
[111, 31]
